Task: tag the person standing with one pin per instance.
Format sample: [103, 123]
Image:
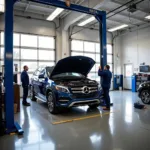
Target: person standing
[106, 76]
[25, 84]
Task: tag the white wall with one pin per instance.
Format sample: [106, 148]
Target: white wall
[90, 35]
[117, 56]
[135, 48]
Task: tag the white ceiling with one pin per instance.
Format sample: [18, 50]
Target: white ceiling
[124, 17]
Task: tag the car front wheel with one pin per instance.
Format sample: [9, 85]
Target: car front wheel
[145, 96]
[51, 103]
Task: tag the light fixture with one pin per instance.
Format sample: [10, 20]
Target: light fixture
[147, 17]
[2, 6]
[86, 21]
[118, 28]
[54, 14]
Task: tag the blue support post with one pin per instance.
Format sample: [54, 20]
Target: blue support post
[103, 39]
[8, 74]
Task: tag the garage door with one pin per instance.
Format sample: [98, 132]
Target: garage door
[92, 50]
[31, 50]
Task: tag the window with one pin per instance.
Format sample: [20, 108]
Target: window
[128, 70]
[15, 62]
[109, 58]
[97, 48]
[109, 49]
[30, 50]
[92, 50]
[77, 54]
[77, 45]
[16, 54]
[89, 47]
[29, 54]
[46, 42]
[98, 58]
[2, 38]
[32, 65]
[90, 55]
[46, 63]
[46, 55]
[16, 39]
[2, 6]
[28, 40]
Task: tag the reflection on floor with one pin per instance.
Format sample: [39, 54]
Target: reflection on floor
[124, 129]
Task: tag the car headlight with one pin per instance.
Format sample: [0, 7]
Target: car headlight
[62, 89]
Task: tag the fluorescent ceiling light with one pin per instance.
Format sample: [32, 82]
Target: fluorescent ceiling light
[86, 21]
[147, 17]
[2, 6]
[54, 14]
[118, 28]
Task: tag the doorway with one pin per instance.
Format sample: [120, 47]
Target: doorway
[128, 72]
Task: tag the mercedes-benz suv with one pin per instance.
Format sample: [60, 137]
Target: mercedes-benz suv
[66, 84]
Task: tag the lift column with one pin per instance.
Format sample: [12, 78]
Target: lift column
[103, 39]
[8, 58]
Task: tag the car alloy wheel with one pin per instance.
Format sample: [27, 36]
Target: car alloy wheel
[50, 102]
[145, 96]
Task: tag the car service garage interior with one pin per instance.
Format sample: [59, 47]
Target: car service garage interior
[74, 74]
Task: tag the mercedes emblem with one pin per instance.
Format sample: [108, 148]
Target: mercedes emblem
[86, 90]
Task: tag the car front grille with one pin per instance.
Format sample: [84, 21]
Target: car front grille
[84, 90]
[80, 92]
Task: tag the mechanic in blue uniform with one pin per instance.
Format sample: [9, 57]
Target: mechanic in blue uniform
[106, 76]
[25, 85]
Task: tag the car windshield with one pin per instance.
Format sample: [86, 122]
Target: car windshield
[49, 70]
[69, 74]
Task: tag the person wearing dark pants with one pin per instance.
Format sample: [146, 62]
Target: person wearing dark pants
[25, 84]
[106, 76]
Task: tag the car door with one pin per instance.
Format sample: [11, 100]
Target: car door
[42, 81]
[42, 84]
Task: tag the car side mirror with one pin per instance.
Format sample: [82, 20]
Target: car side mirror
[41, 76]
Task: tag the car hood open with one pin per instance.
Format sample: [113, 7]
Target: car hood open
[77, 64]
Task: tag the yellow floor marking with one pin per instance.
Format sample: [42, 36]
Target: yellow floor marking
[81, 118]
[12, 133]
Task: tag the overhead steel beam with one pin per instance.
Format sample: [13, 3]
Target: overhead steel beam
[72, 7]
[74, 17]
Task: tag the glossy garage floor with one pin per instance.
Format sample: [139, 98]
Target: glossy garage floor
[125, 128]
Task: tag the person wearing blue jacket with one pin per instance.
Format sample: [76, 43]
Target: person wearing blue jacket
[106, 76]
[25, 85]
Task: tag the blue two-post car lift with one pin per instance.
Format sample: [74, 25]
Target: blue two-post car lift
[12, 126]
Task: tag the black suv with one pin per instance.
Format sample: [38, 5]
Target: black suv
[144, 92]
[66, 84]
